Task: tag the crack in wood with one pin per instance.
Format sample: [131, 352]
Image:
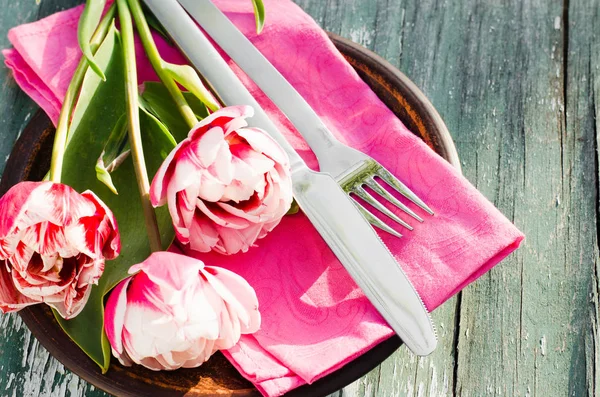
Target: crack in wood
[593, 379]
[455, 341]
[565, 25]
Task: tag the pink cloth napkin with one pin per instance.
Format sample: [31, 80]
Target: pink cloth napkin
[315, 318]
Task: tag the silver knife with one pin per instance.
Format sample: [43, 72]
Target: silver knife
[330, 210]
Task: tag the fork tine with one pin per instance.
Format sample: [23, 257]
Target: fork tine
[373, 220]
[362, 193]
[372, 183]
[402, 189]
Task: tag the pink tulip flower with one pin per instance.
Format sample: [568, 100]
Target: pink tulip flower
[175, 312]
[226, 184]
[53, 243]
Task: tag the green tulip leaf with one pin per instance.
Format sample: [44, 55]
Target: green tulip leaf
[259, 13]
[151, 122]
[189, 79]
[98, 111]
[88, 22]
[158, 101]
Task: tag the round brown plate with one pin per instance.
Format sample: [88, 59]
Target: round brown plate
[30, 160]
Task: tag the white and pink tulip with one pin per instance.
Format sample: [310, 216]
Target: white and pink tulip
[175, 312]
[226, 184]
[53, 244]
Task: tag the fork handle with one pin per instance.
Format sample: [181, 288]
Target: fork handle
[263, 73]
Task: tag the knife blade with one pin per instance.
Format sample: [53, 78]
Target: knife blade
[330, 210]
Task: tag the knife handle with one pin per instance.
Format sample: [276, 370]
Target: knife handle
[265, 75]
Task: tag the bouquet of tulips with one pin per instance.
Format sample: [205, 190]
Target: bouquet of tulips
[76, 240]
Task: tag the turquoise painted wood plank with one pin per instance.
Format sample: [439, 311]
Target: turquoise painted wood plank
[523, 326]
[582, 87]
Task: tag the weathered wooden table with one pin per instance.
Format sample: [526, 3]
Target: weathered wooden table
[516, 82]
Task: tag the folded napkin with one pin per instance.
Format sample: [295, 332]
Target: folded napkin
[315, 318]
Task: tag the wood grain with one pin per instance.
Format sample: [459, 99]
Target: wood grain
[517, 83]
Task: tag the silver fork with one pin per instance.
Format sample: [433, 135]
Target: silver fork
[352, 169]
[353, 180]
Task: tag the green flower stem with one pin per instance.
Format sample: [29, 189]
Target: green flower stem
[157, 63]
[135, 135]
[62, 128]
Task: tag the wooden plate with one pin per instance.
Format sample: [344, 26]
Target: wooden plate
[30, 159]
